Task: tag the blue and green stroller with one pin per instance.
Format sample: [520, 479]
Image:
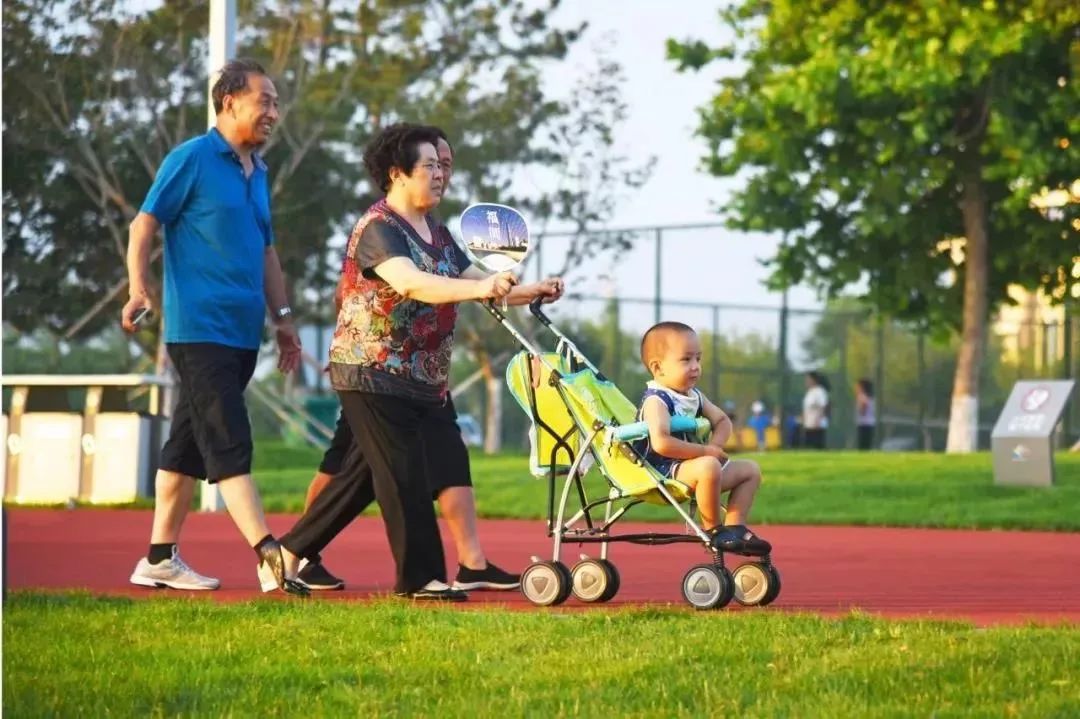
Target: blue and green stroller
[583, 430]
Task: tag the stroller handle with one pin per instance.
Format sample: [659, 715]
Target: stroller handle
[640, 430]
[536, 307]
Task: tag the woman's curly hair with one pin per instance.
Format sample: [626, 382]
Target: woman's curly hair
[396, 146]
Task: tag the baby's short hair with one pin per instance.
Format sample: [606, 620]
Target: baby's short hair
[656, 338]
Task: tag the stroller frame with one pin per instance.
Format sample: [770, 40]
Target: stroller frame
[582, 527]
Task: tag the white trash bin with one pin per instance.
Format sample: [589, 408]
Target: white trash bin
[50, 454]
[105, 453]
[120, 447]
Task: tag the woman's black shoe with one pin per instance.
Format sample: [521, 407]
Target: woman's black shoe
[435, 591]
[272, 564]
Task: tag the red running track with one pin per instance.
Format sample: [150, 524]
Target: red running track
[986, 577]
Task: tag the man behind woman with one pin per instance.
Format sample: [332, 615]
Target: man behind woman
[389, 362]
[449, 459]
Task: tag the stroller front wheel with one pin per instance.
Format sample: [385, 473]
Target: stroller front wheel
[546, 584]
[707, 586]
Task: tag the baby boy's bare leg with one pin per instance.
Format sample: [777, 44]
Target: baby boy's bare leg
[703, 474]
[742, 477]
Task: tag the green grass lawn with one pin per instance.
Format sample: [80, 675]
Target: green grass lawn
[73, 655]
[874, 488]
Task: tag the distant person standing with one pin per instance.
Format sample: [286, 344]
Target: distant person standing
[212, 197]
[865, 413]
[815, 411]
[759, 421]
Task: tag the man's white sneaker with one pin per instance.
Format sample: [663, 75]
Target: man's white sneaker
[173, 573]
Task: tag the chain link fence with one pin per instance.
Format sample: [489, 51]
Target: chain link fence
[757, 343]
[621, 282]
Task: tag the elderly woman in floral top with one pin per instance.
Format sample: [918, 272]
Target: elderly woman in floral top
[390, 356]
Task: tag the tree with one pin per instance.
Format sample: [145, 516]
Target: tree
[876, 134]
[42, 353]
[84, 129]
[95, 96]
[348, 69]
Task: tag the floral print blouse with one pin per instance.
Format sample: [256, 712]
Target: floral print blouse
[383, 342]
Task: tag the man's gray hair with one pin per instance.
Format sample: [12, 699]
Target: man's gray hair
[233, 80]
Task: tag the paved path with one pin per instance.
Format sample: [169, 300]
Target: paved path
[985, 577]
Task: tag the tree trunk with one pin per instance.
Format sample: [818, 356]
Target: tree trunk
[493, 421]
[964, 414]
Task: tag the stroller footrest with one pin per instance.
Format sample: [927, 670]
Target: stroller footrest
[650, 538]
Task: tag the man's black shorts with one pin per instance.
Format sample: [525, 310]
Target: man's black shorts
[445, 456]
[210, 437]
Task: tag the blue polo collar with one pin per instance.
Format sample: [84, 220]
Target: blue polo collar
[224, 148]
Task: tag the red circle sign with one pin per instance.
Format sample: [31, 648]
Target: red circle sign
[1035, 399]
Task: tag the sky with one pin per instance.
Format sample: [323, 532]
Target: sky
[714, 265]
[662, 102]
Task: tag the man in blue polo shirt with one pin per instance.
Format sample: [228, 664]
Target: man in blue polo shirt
[212, 197]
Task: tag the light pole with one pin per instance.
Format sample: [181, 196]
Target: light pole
[657, 295]
[781, 359]
[222, 46]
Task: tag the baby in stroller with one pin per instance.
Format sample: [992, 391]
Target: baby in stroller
[671, 352]
[584, 429]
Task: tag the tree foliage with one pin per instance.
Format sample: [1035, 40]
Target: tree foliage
[874, 135]
[93, 100]
[856, 127]
[96, 96]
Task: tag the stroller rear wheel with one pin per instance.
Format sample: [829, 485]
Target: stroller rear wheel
[774, 586]
[756, 584]
[546, 584]
[595, 580]
[616, 581]
[707, 586]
